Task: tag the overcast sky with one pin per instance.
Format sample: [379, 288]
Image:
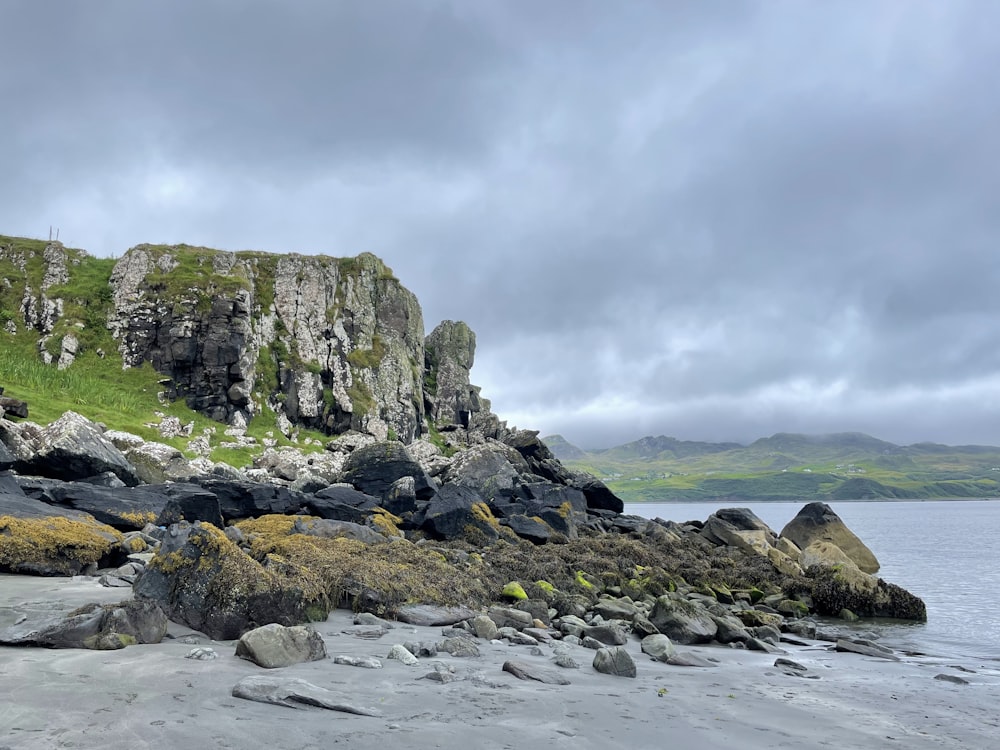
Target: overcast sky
[710, 220]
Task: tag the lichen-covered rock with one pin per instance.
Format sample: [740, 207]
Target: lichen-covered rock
[459, 512]
[200, 578]
[55, 546]
[373, 469]
[125, 508]
[818, 522]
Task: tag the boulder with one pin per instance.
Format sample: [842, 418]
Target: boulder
[818, 522]
[740, 528]
[598, 496]
[125, 508]
[239, 500]
[607, 633]
[682, 621]
[73, 448]
[485, 468]
[272, 646]
[432, 614]
[7, 459]
[189, 502]
[203, 580]
[459, 512]
[659, 647]
[93, 626]
[534, 531]
[55, 545]
[373, 469]
[614, 661]
[844, 586]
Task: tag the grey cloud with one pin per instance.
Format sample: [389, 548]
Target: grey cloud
[713, 220]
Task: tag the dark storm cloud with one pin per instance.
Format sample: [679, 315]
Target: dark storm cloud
[712, 220]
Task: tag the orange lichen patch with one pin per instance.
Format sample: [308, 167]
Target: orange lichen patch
[60, 544]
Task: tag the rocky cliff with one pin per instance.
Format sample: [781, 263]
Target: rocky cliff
[333, 344]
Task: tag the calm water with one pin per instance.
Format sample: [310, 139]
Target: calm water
[943, 551]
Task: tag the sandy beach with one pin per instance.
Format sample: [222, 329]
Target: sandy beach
[151, 696]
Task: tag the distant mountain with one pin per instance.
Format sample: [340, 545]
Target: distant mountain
[788, 466]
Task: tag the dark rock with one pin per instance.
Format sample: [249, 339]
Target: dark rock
[190, 502]
[373, 469]
[616, 609]
[533, 531]
[598, 496]
[13, 407]
[458, 512]
[125, 508]
[92, 626]
[818, 522]
[273, 646]
[240, 500]
[459, 646]
[206, 582]
[834, 590]
[524, 671]
[682, 621]
[614, 661]
[294, 693]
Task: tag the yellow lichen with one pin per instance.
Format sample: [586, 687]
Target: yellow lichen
[138, 518]
[61, 543]
[386, 523]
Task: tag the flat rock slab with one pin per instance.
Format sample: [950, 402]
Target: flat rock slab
[431, 615]
[293, 693]
[687, 659]
[523, 671]
[865, 650]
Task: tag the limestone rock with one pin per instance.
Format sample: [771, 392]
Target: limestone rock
[614, 661]
[818, 522]
[273, 646]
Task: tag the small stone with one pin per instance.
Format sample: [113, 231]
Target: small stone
[358, 661]
[202, 653]
[951, 678]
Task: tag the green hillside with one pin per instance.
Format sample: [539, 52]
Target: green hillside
[785, 466]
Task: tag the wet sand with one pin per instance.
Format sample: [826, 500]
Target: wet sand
[151, 696]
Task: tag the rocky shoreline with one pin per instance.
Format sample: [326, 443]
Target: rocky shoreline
[481, 571]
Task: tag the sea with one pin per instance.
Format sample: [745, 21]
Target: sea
[944, 551]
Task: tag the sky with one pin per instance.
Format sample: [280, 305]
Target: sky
[708, 220]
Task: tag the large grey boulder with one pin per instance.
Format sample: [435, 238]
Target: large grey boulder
[658, 647]
[200, 578]
[125, 508]
[818, 522]
[72, 448]
[682, 621]
[272, 646]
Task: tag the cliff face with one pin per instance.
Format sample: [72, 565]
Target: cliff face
[333, 343]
